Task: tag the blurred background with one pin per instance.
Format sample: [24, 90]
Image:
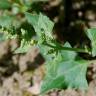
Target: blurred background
[22, 74]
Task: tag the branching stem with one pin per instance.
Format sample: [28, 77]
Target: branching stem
[67, 48]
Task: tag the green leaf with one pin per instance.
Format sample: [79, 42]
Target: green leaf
[92, 36]
[4, 4]
[74, 73]
[71, 74]
[6, 21]
[42, 25]
[64, 65]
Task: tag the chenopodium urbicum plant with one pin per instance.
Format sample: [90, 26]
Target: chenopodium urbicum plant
[64, 68]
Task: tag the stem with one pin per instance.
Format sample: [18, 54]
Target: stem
[66, 48]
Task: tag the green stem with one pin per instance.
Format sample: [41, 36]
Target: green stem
[66, 48]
